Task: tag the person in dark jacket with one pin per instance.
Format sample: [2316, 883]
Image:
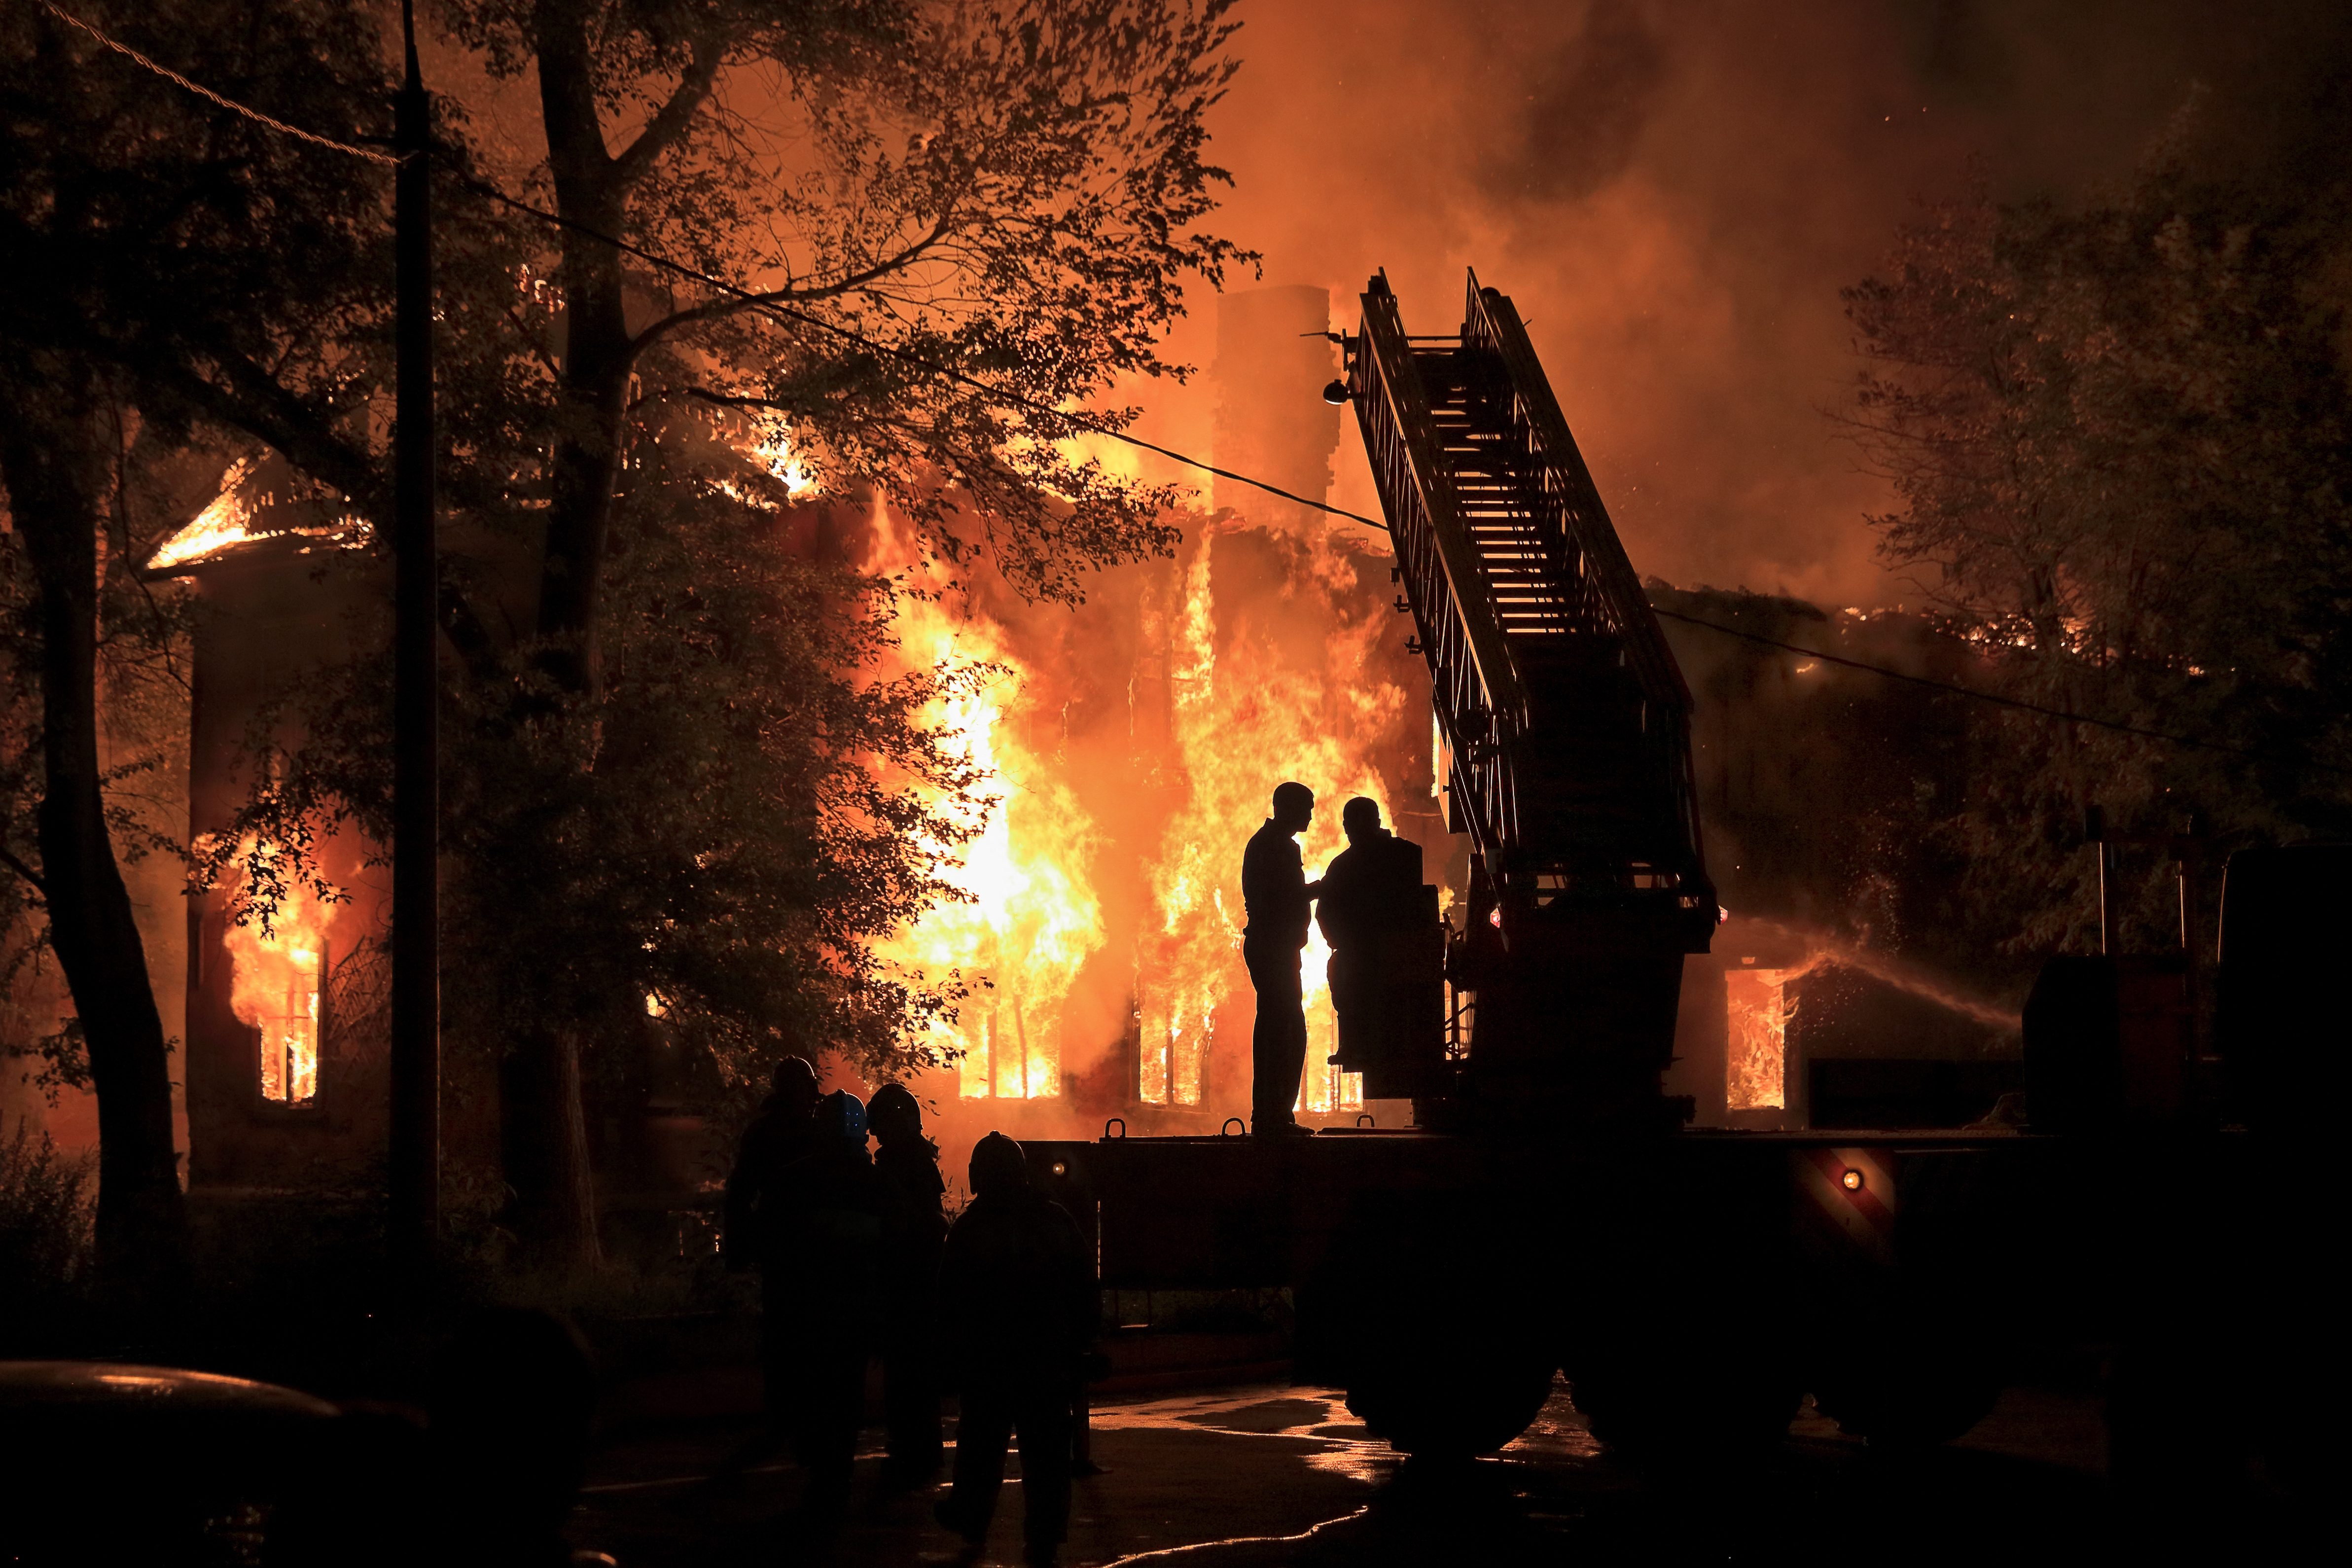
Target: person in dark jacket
[829, 1260]
[817, 1220]
[759, 1193]
[1369, 898]
[1277, 895]
[1017, 1300]
[914, 1227]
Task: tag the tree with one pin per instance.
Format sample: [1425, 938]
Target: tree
[2119, 432]
[131, 213]
[1006, 193]
[952, 224]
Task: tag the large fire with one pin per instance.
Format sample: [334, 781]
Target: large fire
[1030, 921]
[1241, 723]
[1218, 720]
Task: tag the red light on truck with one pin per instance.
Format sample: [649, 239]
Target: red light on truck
[1852, 1180]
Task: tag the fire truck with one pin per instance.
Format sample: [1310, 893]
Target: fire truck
[1549, 1212]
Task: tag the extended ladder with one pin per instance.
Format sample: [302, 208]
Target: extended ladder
[1567, 721]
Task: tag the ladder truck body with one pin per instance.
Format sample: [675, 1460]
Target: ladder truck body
[1549, 1212]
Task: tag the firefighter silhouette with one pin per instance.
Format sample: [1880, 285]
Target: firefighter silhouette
[913, 1229]
[1275, 894]
[1018, 1302]
[778, 1138]
[811, 1202]
[1370, 903]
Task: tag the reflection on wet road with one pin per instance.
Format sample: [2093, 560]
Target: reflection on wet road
[1240, 1477]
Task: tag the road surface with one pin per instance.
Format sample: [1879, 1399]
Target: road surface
[1265, 1474]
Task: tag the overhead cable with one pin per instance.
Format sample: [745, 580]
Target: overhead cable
[765, 303]
[371, 154]
[1959, 691]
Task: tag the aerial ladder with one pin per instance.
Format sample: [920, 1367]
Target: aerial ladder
[1564, 728]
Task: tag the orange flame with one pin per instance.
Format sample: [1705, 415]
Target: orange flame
[1235, 732]
[276, 988]
[1031, 922]
[1220, 715]
[1757, 1009]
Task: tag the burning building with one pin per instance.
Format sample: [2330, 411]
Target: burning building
[287, 1074]
[1136, 740]
[1130, 745]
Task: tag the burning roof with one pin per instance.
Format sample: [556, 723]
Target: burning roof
[262, 501]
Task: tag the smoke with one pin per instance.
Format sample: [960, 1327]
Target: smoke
[1586, 99]
[1673, 191]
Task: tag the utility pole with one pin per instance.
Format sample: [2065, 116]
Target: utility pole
[415, 1222]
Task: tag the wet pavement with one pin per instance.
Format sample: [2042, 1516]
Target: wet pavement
[1263, 1474]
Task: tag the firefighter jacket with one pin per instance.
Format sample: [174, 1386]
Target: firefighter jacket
[1274, 890]
[1016, 1293]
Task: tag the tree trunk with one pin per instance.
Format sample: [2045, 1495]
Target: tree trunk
[55, 469]
[543, 1146]
[598, 354]
[543, 1123]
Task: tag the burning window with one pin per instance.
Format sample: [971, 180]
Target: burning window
[277, 969]
[1757, 1010]
[277, 993]
[998, 1059]
[1173, 1047]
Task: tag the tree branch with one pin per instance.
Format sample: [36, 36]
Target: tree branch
[735, 304]
[8, 858]
[671, 120]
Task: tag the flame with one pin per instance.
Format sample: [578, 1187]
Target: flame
[1218, 715]
[276, 986]
[1757, 1009]
[773, 451]
[225, 522]
[243, 512]
[1031, 922]
[768, 446]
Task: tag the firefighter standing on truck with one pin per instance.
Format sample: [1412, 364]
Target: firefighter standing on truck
[1371, 895]
[1277, 895]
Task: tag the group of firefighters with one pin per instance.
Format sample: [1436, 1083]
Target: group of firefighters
[858, 1259]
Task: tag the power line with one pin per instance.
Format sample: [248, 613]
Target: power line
[763, 303]
[205, 93]
[1960, 690]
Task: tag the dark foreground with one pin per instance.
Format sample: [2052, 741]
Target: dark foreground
[1265, 1474]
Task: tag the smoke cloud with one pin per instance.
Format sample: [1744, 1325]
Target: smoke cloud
[1673, 190]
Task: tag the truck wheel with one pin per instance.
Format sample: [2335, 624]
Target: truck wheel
[1907, 1393]
[1441, 1411]
[1678, 1404]
[1429, 1313]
